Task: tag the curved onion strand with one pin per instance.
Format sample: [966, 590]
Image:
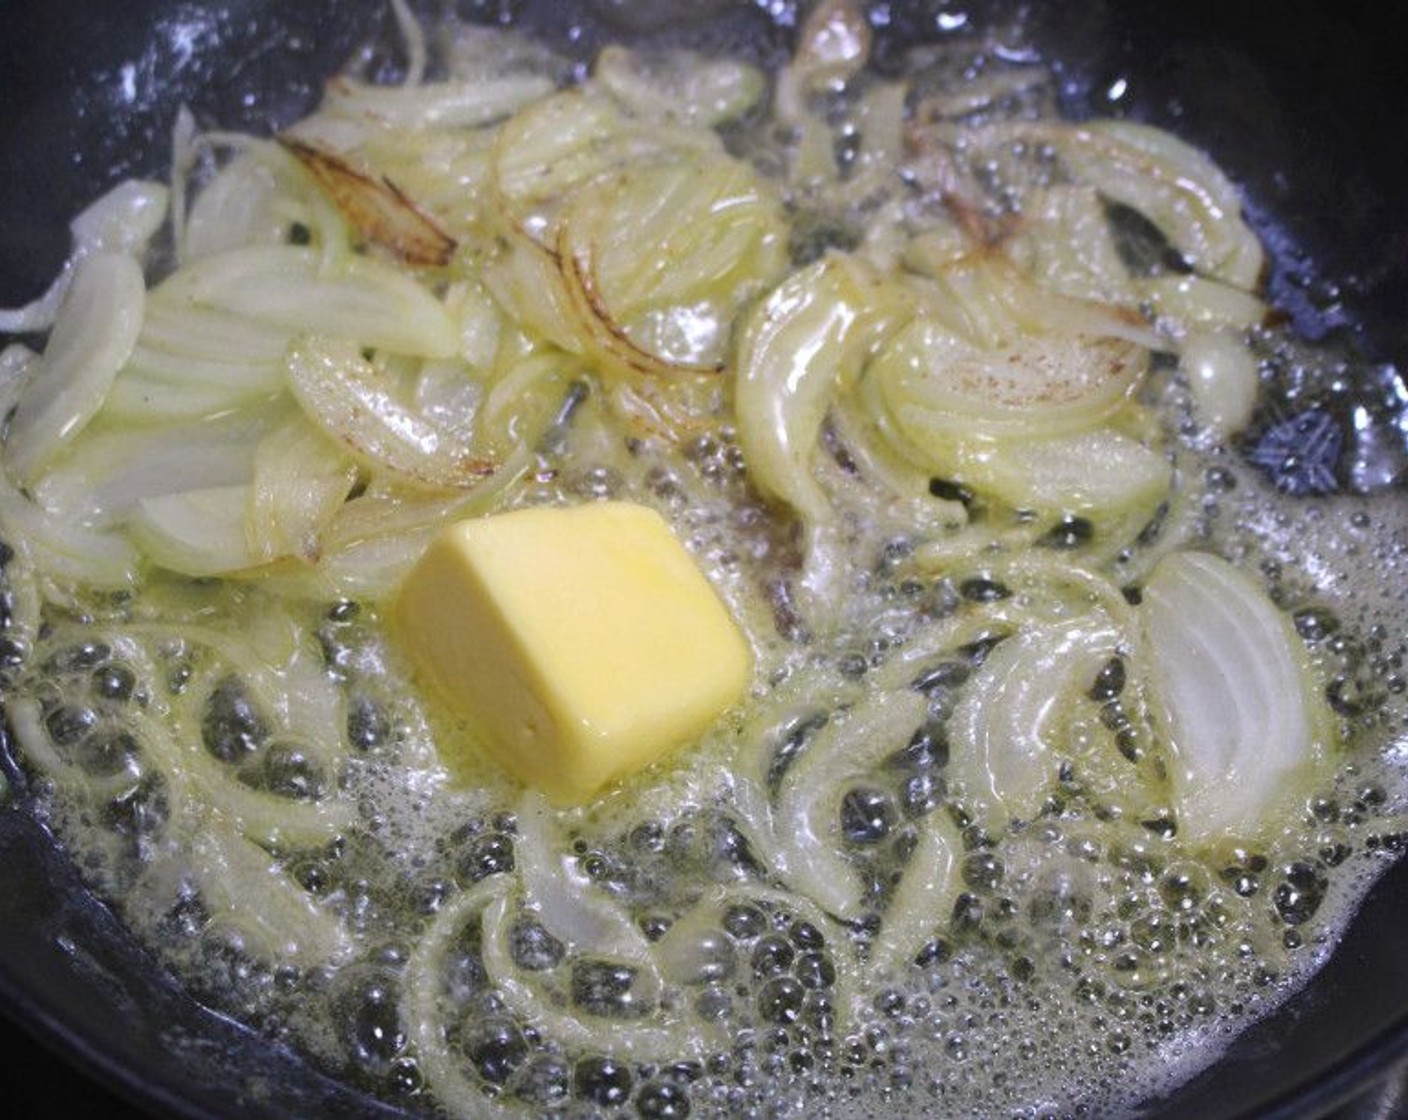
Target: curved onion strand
[94, 334]
[1231, 686]
[798, 348]
[1005, 734]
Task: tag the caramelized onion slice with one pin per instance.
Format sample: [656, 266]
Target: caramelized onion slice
[377, 209]
[349, 399]
[658, 259]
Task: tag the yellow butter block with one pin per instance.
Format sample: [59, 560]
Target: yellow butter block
[583, 643]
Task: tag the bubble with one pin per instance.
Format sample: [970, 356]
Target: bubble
[814, 970]
[867, 815]
[105, 754]
[368, 726]
[532, 947]
[662, 1100]
[780, 1000]
[743, 922]
[488, 854]
[709, 958]
[232, 727]
[495, 1048]
[115, 682]
[545, 1081]
[81, 655]
[67, 724]
[366, 1004]
[772, 955]
[604, 988]
[1299, 895]
[288, 770]
[603, 1081]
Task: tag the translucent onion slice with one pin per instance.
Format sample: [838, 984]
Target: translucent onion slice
[286, 925]
[923, 902]
[450, 104]
[680, 85]
[301, 480]
[122, 221]
[354, 298]
[175, 329]
[1167, 180]
[543, 153]
[1007, 733]
[445, 171]
[195, 532]
[61, 548]
[251, 200]
[570, 907]
[1101, 475]
[1234, 693]
[1224, 377]
[658, 259]
[797, 349]
[94, 334]
[1190, 302]
[111, 469]
[1034, 385]
[807, 823]
[1066, 244]
[350, 400]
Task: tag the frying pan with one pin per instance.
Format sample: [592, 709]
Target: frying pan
[1300, 103]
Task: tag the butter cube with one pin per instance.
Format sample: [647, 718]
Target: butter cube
[582, 644]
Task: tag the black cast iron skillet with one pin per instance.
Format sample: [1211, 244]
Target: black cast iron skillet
[1301, 103]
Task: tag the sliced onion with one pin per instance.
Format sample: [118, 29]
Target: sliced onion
[355, 298]
[178, 331]
[1006, 734]
[286, 925]
[110, 470]
[658, 1038]
[679, 85]
[569, 906]
[377, 209]
[122, 221]
[797, 349]
[450, 104]
[87, 557]
[1035, 385]
[658, 259]
[253, 199]
[807, 825]
[1167, 180]
[545, 152]
[301, 480]
[94, 334]
[923, 901]
[1191, 302]
[1224, 377]
[1066, 244]
[195, 532]
[1102, 475]
[1235, 695]
[345, 396]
